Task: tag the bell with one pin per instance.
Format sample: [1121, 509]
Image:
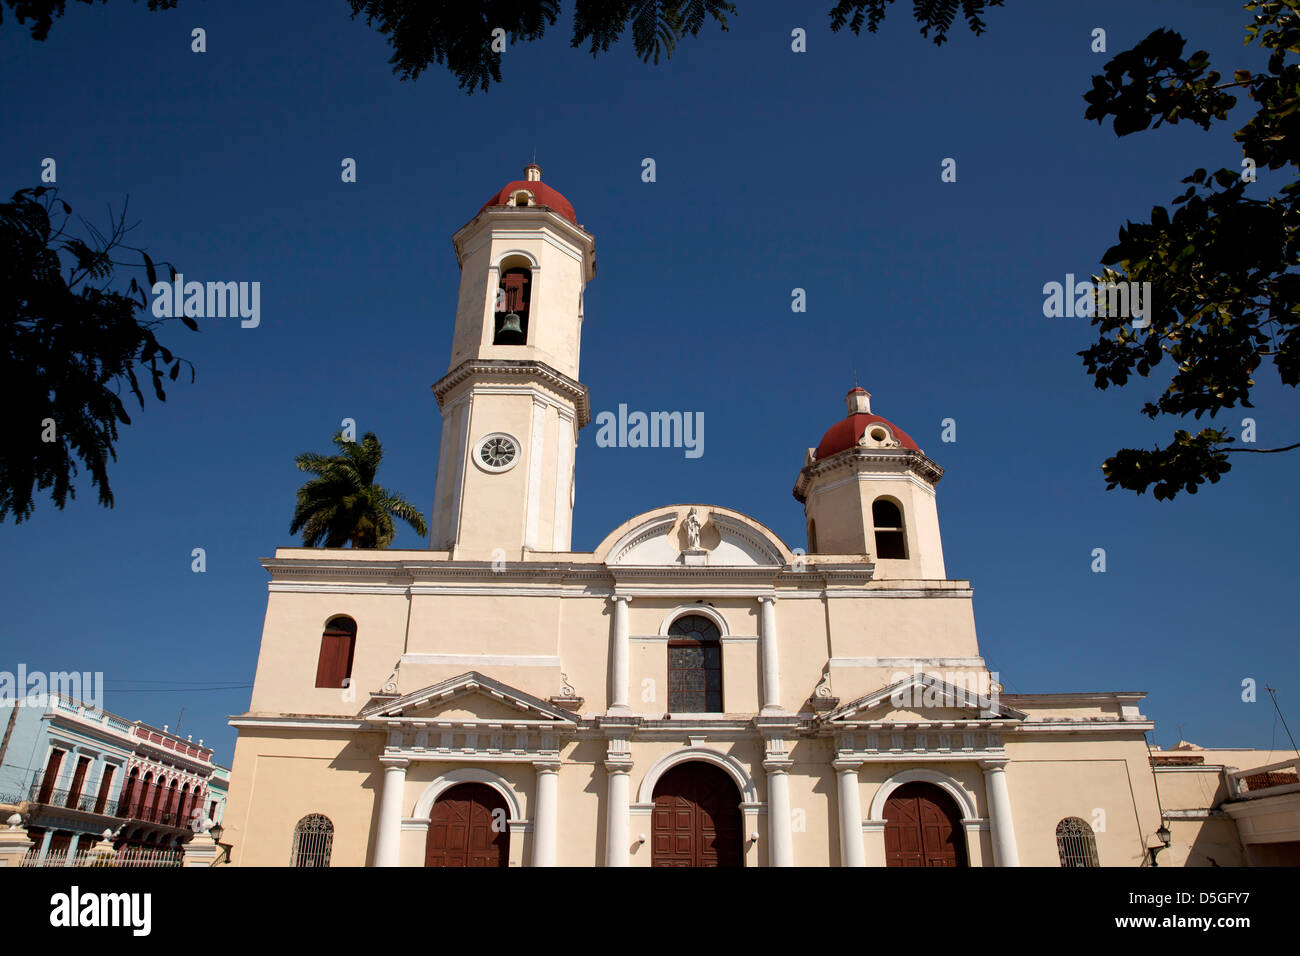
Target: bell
[511, 331]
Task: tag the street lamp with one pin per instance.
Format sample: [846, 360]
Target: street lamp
[216, 831]
[1165, 837]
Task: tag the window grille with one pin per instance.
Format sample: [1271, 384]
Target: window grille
[1076, 843]
[313, 838]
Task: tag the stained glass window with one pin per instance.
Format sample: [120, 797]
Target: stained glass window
[694, 666]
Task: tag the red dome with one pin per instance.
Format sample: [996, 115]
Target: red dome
[543, 195]
[845, 434]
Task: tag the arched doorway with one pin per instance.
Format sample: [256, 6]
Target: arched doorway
[923, 828]
[467, 827]
[696, 818]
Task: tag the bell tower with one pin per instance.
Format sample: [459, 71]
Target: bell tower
[868, 489]
[511, 401]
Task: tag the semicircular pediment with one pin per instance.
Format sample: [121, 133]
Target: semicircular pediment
[680, 535]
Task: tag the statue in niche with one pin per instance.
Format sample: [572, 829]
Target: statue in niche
[692, 526]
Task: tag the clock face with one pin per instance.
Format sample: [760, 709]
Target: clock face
[497, 452]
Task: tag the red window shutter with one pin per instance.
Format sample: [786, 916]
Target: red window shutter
[128, 796]
[51, 776]
[335, 664]
[104, 784]
[78, 781]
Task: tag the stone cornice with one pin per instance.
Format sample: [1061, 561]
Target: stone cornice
[904, 459]
[510, 219]
[506, 369]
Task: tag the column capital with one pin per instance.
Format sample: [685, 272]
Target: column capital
[778, 764]
[546, 766]
[767, 599]
[618, 764]
[394, 763]
[992, 765]
[625, 598]
[846, 766]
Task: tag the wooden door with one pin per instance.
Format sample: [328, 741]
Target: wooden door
[696, 818]
[467, 827]
[923, 828]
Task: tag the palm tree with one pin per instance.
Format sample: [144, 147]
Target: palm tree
[343, 505]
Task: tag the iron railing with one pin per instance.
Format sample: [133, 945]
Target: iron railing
[148, 804]
[126, 857]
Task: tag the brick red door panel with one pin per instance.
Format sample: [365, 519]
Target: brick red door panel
[466, 828]
[923, 828]
[696, 819]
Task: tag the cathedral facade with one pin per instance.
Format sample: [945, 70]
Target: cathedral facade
[692, 692]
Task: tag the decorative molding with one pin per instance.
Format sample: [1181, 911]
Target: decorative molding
[659, 525]
[907, 662]
[856, 457]
[734, 769]
[470, 682]
[452, 778]
[482, 660]
[965, 801]
[562, 384]
[703, 610]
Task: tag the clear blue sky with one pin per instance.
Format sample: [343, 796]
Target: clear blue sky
[775, 171]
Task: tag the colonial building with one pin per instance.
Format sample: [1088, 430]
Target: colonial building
[694, 691]
[77, 774]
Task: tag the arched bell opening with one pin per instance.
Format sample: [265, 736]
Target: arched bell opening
[514, 294]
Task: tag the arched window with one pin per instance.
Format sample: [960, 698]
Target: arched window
[149, 806]
[183, 807]
[694, 666]
[513, 297]
[337, 644]
[169, 805]
[891, 539]
[130, 794]
[812, 535]
[313, 838]
[1076, 843]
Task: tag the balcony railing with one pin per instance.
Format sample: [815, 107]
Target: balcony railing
[85, 802]
[1268, 781]
[146, 804]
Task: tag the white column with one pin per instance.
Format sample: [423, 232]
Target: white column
[619, 657]
[618, 833]
[780, 850]
[851, 849]
[1004, 833]
[545, 813]
[388, 847]
[771, 664]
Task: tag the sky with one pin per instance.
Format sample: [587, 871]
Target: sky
[775, 170]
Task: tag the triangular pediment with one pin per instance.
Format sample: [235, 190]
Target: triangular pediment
[921, 698]
[470, 697]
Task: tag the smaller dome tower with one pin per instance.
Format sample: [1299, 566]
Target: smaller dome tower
[868, 489]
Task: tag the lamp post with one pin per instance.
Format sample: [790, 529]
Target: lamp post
[1165, 838]
[216, 831]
